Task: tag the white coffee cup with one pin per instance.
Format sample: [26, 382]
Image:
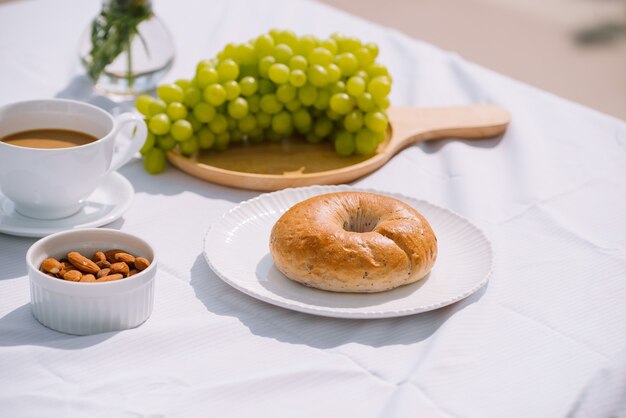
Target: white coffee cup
[51, 183]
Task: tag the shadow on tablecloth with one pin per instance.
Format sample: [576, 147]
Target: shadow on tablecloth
[292, 327]
[19, 327]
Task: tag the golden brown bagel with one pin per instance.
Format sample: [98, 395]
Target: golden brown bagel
[353, 242]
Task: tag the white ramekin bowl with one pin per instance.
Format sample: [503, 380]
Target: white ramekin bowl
[90, 308]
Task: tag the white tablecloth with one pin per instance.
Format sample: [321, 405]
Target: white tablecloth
[545, 338]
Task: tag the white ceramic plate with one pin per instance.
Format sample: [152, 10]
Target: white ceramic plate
[237, 249]
[107, 203]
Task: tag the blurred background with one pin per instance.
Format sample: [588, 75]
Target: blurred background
[573, 48]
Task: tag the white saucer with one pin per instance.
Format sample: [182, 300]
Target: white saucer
[106, 204]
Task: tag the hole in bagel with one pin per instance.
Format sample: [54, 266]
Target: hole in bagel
[360, 221]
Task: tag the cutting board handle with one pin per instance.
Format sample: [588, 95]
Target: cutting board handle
[411, 124]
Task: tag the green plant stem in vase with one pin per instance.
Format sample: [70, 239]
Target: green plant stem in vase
[126, 50]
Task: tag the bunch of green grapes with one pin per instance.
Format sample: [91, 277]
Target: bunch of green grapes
[269, 88]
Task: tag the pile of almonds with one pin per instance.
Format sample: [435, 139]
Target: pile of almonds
[104, 266]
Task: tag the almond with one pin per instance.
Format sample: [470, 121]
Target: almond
[120, 268]
[51, 265]
[88, 278]
[103, 272]
[133, 272]
[73, 275]
[82, 263]
[110, 278]
[99, 257]
[103, 264]
[141, 263]
[65, 268]
[125, 257]
[110, 255]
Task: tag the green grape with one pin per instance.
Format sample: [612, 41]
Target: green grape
[232, 89]
[165, 142]
[379, 87]
[281, 123]
[207, 76]
[355, 86]
[270, 104]
[382, 102]
[286, 37]
[306, 44]
[245, 54]
[206, 138]
[297, 78]
[219, 124]
[380, 136]
[322, 100]
[176, 111]
[353, 121]
[334, 73]
[266, 87]
[221, 141]
[344, 143]
[372, 48]
[279, 73]
[204, 112]
[154, 161]
[363, 56]
[236, 136]
[170, 93]
[376, 121]
[247, 124]
[317, 75]
[347, 63]
[365, 142]
[302, 120]
[254, 103]
[215, 94]
[283, 53]
[307, 94]
[365, 102]
[313, 138]
[159, 124]
[323, 127]
[264, 65]
[341, 103]
[320, 56]
[192, 97]
[181, 130]
[263, 120]
[143, 104]
[349, 44]
[231, 123]
[333, 115]
[189, 147]
[363, 74]
[286, 93]
[256, 135]
[203, 64]
[148, 144]
[249, 70]
[238, 108]
[375, 69]
[195, 123]
[263, 45]
[248, 86]
[338, 87]
[156, 106]
[298, 62]
[330, 44]
[293, 105]
[229, 51]
[183, 83]
[228, 70]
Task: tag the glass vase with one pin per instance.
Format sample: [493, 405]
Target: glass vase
[133, 48]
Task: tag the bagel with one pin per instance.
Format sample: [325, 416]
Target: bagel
[353, 242]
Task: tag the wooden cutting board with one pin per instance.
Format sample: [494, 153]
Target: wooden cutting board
[272, 166]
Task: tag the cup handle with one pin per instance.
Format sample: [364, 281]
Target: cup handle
[137, 140]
